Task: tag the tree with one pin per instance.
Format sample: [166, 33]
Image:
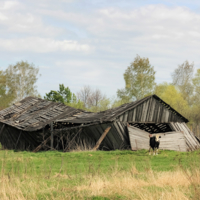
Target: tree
[93, 100]
[6, 94]
[77, 104]
[21, 79]
[63, 95]
[84, 95]
[104, 104]
[95, 97]
[182, 79]
[139, 80]
[173, 97]
[90, 98]
[196, 82]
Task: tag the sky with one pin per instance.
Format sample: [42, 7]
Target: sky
[92, 42]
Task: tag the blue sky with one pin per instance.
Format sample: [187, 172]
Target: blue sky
[91, 42]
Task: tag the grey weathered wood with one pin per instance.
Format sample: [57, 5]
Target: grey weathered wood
[2, 128]
[51, 135]
[173, 141]
[169, 141]
[42, 144]
[191, 141]
[32, 114]
[139, 139]
[101, 138]
[18, 139]
[72, 140]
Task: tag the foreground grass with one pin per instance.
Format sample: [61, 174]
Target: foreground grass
[99, 175]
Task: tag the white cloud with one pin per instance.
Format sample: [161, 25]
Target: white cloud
[7, 5]
[19, 18]
[166, 35]
[3, 17]
[42, 45]
[148, 23]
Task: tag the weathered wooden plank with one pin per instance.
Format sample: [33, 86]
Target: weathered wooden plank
[2, 128]
[110, 136]
[192, 135]
[107, 141]
[145, 111]
[153, 111]
[138, 139]
[51, 125]
[101, 139]
[191, 142]
[117, 135]
[125, 117]
[170, 141]
[130, 115]
[118, 130]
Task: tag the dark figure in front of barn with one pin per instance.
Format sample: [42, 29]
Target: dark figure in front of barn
[154, 143]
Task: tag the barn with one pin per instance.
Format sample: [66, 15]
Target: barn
[36, 124]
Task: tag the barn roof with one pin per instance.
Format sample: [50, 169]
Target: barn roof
[31, 113]
[114, 113]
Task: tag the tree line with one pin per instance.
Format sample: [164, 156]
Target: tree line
[182, 93]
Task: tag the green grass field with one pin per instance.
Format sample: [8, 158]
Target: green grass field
[99, 175]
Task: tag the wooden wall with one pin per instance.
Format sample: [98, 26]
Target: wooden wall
[191, 141]
[139, 139]
[117, 137]
[12, 138]
[151, 111]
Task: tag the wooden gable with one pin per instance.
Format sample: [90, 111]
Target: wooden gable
[152, 110]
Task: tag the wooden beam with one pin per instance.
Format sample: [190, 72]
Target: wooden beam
[18, 139]
[51, 135]
[101, 138]
[71, 142]
[2, 129]
[42, 144]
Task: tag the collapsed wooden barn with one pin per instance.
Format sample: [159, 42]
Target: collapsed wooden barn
[26, 126]
[150, 114]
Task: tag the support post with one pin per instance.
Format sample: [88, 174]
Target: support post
[2, 129]
[71, 142]
[18, 139]
[101, 139]
[42, 144]
[51, 135]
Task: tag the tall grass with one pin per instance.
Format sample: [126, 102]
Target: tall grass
[23, 178]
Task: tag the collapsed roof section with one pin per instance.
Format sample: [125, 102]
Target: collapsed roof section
[32, 114]
[149, 109]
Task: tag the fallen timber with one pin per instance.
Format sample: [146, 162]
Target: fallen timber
[101, 138]
[35, 124]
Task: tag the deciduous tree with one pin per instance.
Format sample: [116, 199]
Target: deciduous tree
[139, 80]
[6, 94]
[84, 95]
[196, 82]
[91, 98]
[173, 97]
[63, 95]
[21, 78]
[182, 79]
